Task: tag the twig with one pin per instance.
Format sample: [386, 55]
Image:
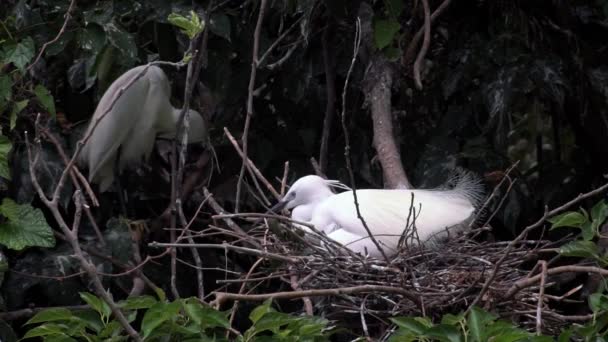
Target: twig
[221, 297]
[409, 54]
[254, 67]
[523, 283]
[71, 235]
[541, 293]
[231, 224]
[284, 179]
[241, 289]
[251, 165]
[425, 43]
[349, 167]
[227, 246]
[29, 312]
[524, 233]
[330, 89]
[68, 16]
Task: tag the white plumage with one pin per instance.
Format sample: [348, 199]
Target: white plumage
[384, 211]
[142, 113]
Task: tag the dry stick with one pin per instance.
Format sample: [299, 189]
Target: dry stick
[278, 40]
[253, 168]
[330, 88]
[541, 293]
[77, 179]
[231, 224]
[197, 47]
[526, 282]
[227, 246]
[317, 168]
[29, 312]
[68, 16]
[235, 305]
[295, 285]
[409, 54]
[523, 234]
[221, 297]
[284, 179]
[425, 43]
[250, 89]
[71, 235]
[349, 167]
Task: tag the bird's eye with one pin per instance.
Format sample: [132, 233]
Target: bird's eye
[291, 195]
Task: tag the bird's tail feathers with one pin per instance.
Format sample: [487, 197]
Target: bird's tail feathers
[464, 184]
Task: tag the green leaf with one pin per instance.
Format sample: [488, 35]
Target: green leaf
[189, 26]
[45, 99]
[260, 311]
[6, 91]
[17, 108]
[598, 302]
[123, 42]
[410, 324]
[444, 332]
[55, 314]
[477, 321]
[450, 319]
[157, 315]
[569, 219]
[25, 226]
[395, 7]
[599, 213]
[219, 24]
[5, 148]
[136, 303]
[46, 330]
[205, 316]
[21, 54]
[97, 304]
[92, 38]
[384, 32]
[582, 249]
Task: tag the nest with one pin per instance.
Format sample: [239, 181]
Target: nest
[420, 281]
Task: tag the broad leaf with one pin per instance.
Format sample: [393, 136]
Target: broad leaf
[410, 324]
[21, 54]
[260, 311]
[6, 91]
[157, 315]
[17, 108]
[5, 148]
[136, 303]
[477, 321]
[220, 25]
[97, 304]
[55, 314]
[124, 42]
[25, 226]
[569, 219]
[582, 249]
[205, 316]
[45, 99]
[384, 32]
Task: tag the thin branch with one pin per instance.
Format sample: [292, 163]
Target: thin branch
[221, 297]
[425, 44]
[349, 167]
[524, 233]
[330, 104]
[254, 67]
[409, 54]
[227, 246]
[541, 293]
[68, 16]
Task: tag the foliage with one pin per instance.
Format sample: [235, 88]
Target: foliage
[181, 320]
[189, 26]
[589, 225]
[24, 226]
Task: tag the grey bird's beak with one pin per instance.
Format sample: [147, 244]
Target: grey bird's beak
[278, 207]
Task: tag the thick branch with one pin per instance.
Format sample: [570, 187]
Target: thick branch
[378, 83]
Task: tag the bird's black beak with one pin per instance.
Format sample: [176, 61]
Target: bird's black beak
[278, 207]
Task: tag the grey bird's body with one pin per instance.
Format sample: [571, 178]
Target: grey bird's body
[141, 114]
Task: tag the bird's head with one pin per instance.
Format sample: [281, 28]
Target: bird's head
[198, 128]
[306, 190]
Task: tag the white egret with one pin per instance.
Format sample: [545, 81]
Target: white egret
[127, 133]
[385, 211]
